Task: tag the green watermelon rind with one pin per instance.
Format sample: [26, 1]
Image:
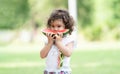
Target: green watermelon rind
[65, 33]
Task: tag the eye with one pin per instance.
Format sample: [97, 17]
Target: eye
[59, 26]
[52, 26]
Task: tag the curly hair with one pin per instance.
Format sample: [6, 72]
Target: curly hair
[64, 15]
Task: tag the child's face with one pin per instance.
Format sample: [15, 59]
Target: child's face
[57, 25]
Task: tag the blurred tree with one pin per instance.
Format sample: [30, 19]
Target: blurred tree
[85, 12]
[59, 3]
[96, 18]
[99, 19]
[114, 20]
[41, 9]
[13, 13]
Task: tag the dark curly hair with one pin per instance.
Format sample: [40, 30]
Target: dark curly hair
[64, 15]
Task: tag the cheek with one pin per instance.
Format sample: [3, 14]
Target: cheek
[62, 28]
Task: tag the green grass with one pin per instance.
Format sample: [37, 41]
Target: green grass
[24, 59]
[96, 62]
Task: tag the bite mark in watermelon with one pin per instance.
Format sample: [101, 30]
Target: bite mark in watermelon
[64, 32]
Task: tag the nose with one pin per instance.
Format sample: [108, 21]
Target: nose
[55, 28]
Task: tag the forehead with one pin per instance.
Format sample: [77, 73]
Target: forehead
[58, 21]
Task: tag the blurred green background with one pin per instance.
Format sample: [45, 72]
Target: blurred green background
[96, 19]
[98, 32]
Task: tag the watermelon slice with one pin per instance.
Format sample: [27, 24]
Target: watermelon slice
[65, 31]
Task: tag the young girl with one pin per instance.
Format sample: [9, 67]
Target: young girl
[58, 48]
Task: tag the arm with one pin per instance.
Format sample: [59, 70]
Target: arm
[47, 47]
[65, 49]
[45, 50]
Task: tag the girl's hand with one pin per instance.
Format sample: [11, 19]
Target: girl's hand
[58, 37]
[50, 37]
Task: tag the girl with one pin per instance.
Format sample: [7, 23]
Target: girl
[58, 48]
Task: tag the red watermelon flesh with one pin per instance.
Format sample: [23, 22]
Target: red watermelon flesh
[65, 31]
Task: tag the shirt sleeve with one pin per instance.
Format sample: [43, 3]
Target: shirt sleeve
[71, 38]
[44, 40]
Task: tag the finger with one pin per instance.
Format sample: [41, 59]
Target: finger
[61, 34]
[47, 34]
[58, 34]
[53, 35]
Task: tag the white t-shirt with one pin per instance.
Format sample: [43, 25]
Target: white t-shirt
[51, 59]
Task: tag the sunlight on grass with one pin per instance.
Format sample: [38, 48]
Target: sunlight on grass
[25, 59]
[20, 64]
